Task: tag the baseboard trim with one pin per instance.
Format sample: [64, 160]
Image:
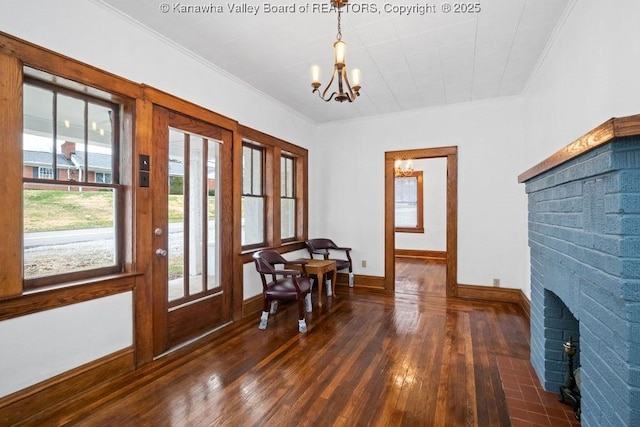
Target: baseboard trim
[47, 395]
[440, 256]
[525, 303]
[362, 281]
[252, 306]
[489, 293]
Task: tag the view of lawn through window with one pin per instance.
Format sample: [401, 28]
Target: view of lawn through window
[70, 183]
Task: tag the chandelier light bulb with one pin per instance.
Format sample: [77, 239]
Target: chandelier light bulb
[340, 48]
[315, 75]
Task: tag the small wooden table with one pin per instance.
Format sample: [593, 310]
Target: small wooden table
[318, 267]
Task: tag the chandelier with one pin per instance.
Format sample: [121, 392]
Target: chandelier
[403, 171]
[345, 92]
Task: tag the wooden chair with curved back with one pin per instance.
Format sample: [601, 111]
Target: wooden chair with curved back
[324, 247]
[282, 285]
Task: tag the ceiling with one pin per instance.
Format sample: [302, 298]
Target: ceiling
[408, 61]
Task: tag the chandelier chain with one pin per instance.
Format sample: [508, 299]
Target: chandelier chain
[339, 35]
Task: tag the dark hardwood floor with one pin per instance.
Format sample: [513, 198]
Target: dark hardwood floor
[370, 358]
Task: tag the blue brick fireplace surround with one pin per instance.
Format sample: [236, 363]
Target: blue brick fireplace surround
[584, 237]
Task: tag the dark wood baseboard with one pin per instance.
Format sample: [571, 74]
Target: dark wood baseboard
[362, 281]
[45, 396]
[489, 293]
[252, 306]
[437, 256]
[525, 303]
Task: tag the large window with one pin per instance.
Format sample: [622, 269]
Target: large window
[287, 198]
[274, 192]
[70, 184]
[409, 207]
[253, 197]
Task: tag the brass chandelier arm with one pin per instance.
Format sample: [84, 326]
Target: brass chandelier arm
[340, 95]
[324, 92]
[353, 93]
[343, 93]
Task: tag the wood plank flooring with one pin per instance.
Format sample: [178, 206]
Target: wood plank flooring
[412, 358]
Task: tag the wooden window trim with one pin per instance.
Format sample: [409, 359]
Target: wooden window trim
[15, 56]
[274, 149]
[419, 228]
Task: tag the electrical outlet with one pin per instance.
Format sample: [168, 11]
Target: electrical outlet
[496, 283]
[364, 263]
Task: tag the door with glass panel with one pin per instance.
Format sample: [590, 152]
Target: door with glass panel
[191, 228]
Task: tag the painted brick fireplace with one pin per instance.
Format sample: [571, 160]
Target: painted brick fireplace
[584, 238]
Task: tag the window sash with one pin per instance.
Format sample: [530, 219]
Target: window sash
[254, 201]
[409, 203]
[85, 195]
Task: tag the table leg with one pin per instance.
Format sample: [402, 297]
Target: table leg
[333, 283]
[320, 276]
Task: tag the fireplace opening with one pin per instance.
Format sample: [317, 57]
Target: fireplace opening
[559, 325]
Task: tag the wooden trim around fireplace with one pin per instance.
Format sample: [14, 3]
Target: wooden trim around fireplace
[612, 128]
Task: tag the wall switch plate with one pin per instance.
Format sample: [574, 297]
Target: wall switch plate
[496, 283]
[145, 164]
[364, 263]
[143, 180]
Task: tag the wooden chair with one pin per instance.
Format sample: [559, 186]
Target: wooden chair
[282, 285]
[323, 247]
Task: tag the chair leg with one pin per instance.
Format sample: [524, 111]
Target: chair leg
[263, 320]
[274, 307]
[351, 276]
[307, 300]
[302, 326]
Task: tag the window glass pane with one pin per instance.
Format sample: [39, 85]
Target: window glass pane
[253, 203]
[257, 172]
[213, 226]
[70, 138]
[176, 209]
[67, 231]
[406, 202]
[196, 208]
[288, 218]
[286, 177]
[247, 165]
[252, 220]
[100, 136]
[38, 133]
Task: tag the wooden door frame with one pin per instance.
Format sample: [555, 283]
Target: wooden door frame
[144, 143]
[451, 154]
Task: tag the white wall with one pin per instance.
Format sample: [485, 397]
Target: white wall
[434, 182]
[492, 205]
[41, 345]
[589, 75]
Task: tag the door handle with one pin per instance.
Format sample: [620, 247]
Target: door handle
[161, 252]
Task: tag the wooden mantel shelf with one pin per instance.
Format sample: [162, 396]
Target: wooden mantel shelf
[612, 128]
